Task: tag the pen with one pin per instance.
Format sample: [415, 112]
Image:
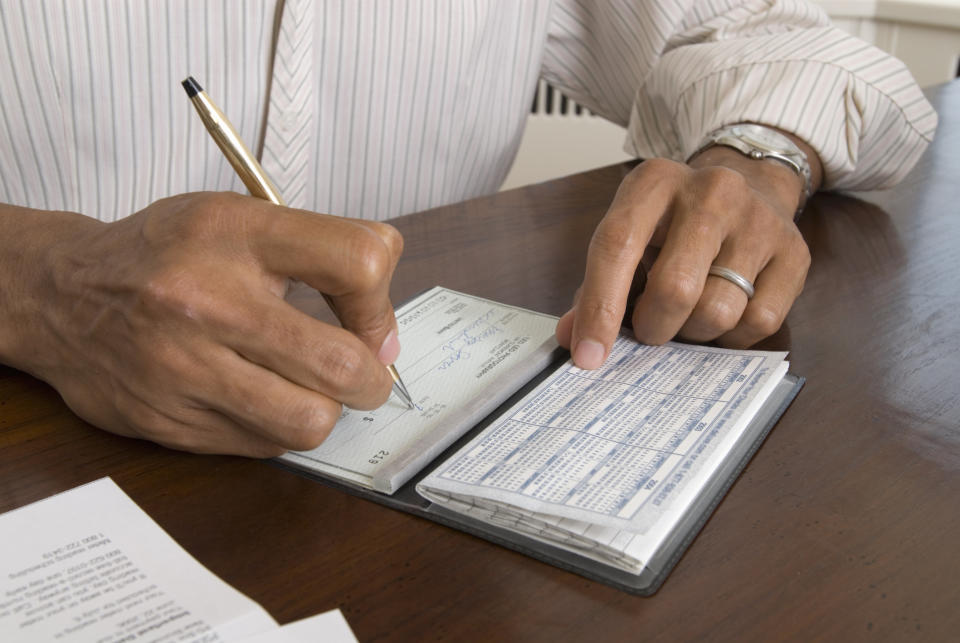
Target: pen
[252, 174]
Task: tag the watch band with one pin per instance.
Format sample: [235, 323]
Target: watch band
[764, 143]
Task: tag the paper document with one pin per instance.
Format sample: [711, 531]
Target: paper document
[590, 458]
[89, 565]
[328, 627]
[462, 357]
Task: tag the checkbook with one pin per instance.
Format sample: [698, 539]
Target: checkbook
[609, 473]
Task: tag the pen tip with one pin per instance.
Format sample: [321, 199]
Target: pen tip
[192, 86]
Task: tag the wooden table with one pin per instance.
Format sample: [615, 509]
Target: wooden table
[845, 526]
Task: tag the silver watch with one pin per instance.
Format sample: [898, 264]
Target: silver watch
[761, 143]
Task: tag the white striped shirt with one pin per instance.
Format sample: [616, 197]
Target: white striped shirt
[374, 109]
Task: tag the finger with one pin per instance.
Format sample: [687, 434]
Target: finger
[722, 302]
[348, 260]
[613, 255]
[333, 254]
[719, 310]
[307, 352]
[206, 431]
[777, 287]
[636, 289]
[612, 259]
[565, 329]
[676, 279]
[270, 406]
[183, 427]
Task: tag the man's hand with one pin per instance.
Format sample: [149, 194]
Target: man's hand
[170, 325]
[721, 208]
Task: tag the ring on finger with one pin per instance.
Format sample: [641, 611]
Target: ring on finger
[733, 277]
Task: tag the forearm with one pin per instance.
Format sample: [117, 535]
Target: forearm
[32, 248]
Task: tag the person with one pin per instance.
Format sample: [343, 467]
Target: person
[169, 323]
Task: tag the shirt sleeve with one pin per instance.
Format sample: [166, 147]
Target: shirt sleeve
[672, 71]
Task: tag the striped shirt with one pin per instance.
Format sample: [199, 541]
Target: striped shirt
[373, 109]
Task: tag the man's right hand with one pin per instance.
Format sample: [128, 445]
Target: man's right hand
[170, 325]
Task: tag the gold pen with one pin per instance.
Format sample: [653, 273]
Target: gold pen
[252, 174]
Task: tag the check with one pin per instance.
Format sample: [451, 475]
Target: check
[463, 356]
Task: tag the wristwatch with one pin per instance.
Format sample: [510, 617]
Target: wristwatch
[762, 143]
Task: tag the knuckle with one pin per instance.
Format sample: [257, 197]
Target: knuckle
[342, 366]
[674, 290]
[720, 190]
[720, 315]
[614, 234]
[651, 177]
[762, 319]
[312, 424]
[390, 236]
[655, 166]
[207, 203]
[197, 217]
[723, 181]
[203, 213]
[616, 239]
[371, 260]
[303, 422]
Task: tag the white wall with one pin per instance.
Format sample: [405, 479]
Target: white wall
[556, 145]
[924, 34]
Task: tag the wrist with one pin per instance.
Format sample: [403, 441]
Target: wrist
[764, 147]
[780, 186]
[32, 246]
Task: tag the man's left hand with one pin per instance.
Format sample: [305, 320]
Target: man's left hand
[722, 208]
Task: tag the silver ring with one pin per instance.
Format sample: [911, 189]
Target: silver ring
[733, 277]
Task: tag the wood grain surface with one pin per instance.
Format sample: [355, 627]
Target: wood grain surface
[843, 527]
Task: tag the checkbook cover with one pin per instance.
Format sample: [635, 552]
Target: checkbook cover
[658, 568]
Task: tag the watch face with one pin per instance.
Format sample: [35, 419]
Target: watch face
[763, 138]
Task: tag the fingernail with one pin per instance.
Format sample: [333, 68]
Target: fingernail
[588, 354]
[390, 349]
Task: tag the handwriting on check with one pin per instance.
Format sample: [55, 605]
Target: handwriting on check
[478, 330]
